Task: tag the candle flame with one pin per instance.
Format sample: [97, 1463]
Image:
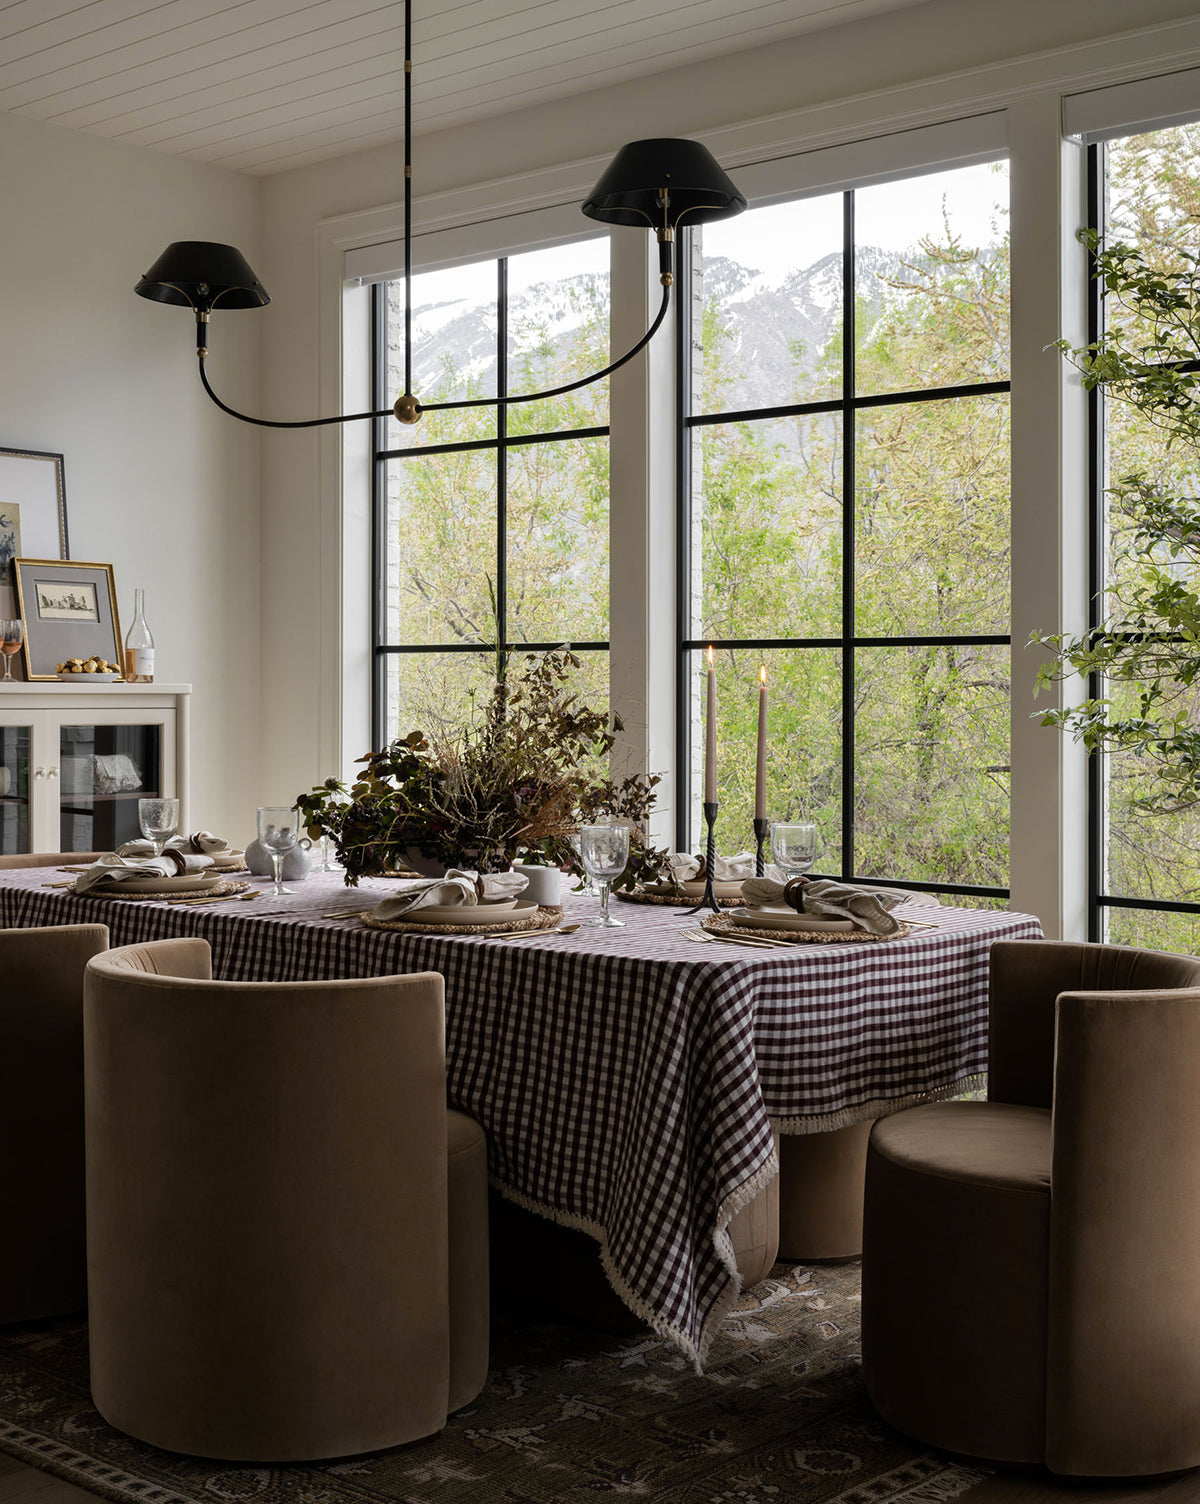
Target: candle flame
[762, 673]
[710, 655]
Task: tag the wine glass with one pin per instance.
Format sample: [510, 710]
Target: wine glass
[587, 888]
[794, 847]
[278, 830]
[159, 819]
[604, 852]
[12, 634]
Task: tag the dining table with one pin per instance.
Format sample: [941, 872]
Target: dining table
[630, 1080]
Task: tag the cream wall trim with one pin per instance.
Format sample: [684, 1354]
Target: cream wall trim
[531, 229]
[1048, 837]
[642, 656]
[1142, 105]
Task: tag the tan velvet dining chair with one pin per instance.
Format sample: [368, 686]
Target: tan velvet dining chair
[43, 1265]
[1031, 1276]
[287, 1229]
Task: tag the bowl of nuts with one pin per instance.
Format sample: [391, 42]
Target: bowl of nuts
[95, 670]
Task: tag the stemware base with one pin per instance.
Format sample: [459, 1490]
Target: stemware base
[603, 922]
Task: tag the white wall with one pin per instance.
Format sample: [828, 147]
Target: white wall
[943, 60]
[158, 482]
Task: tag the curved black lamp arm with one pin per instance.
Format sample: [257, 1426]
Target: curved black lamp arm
[278, 422]
[567, 386]
[435, 407]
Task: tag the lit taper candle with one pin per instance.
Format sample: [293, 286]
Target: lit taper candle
[760, 775]
[710, 738]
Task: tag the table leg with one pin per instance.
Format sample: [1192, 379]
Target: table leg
[821, 1193]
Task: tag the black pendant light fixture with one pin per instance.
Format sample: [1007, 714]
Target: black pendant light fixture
[652, 185]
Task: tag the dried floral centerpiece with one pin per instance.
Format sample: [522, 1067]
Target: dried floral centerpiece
[519, 777]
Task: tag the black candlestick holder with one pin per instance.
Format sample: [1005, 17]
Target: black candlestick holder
[709, 901]
[762, 829]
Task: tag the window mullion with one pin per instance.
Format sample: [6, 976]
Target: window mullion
[502, 452]
[848, 864]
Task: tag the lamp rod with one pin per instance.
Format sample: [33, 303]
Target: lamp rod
[437, 407]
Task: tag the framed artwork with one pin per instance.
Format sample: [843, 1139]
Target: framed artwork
[33, 514]
[69, 611]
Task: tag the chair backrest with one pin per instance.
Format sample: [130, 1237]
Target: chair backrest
[48, 859]
[1124, 1324]
[270, 1158]
[1027, 977]
[42, 1259]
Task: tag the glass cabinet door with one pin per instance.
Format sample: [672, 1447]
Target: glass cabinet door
[103, 770]
[16, 835]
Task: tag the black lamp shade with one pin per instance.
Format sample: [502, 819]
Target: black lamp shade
[698, 190]
[202, 274]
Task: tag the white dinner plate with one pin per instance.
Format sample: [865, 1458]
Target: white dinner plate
[191, 884]
[695, 889]
[88, 678]
[471, 913]
[780, 917]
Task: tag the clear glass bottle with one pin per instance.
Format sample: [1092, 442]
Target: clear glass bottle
[139, 646]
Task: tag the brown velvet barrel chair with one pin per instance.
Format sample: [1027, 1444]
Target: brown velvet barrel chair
[287, 1230]
[43, 1263]
[1031, 1264]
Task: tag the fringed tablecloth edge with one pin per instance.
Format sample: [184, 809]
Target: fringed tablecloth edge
[829, 1122]
[733, 1203]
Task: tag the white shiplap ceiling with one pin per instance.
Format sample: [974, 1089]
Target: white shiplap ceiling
[265, 85]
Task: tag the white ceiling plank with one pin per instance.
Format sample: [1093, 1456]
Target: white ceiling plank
[104, 18]
[266, 85]
[239, 31]
[234, 78]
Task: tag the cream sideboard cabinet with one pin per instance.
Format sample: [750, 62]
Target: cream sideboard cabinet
[76, 758]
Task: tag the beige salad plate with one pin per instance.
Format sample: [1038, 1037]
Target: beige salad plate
[471, 913]
[780, 917]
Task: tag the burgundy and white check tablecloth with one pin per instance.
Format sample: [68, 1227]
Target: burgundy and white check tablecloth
[628, 1079]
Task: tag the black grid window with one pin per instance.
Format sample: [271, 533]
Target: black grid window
[490, 526]
[847, 527]
[1143, 867]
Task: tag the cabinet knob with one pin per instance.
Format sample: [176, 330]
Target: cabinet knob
[39, 772]
[51, 772]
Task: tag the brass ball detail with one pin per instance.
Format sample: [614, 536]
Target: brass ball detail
[407, 408]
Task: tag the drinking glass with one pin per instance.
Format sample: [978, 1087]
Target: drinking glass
[604, 852]
[12, 634]
[588, 888]
[159, 819]
[278, 830]
[794, 847]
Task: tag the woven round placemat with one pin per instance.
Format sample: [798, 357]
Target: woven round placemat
[721, 924]
[224, 889]
[671, 900]
[543, 919]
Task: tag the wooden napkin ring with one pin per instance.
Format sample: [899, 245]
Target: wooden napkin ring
[793, 893]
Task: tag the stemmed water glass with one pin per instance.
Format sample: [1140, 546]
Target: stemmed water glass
[794, 847]
[12, 634]
[159, 819]
[278, 830]
[604, 852]
[587, 888]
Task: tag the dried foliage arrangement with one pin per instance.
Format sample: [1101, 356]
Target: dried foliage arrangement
[520, 776]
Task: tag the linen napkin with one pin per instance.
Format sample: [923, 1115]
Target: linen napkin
[456, 889]
[823, 898]
[726, 869]
[114, 868]
[203, 843]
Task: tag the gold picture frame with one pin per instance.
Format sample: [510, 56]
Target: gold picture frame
[79, 621]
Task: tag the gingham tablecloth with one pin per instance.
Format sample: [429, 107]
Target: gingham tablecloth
[628, 1079]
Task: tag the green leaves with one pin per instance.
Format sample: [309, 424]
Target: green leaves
[1147, 642]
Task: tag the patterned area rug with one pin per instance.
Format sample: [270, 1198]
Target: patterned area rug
[567, 1415]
